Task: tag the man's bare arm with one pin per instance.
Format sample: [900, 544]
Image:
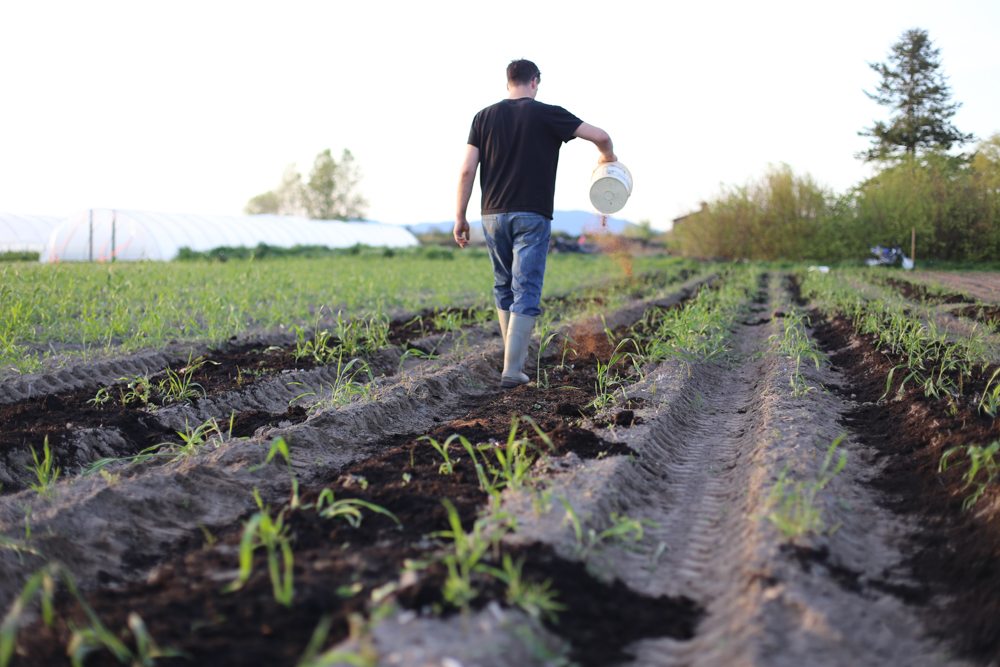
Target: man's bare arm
[465, 180]
[599, 138]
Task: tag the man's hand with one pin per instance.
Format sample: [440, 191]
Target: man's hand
[604, 159]
[461, 233]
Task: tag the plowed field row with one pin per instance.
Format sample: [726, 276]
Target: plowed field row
[710, 477]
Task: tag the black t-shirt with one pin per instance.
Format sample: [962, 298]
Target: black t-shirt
[518, 142]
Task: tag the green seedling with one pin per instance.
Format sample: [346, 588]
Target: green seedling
[46, 473]
[345, 387]
[609, 382]
[270, 533]
[314, 656]
[320, 347]
[990, 401]
[448, 467]
[467, 551]
[179, 386]
[192, 441]
[349, 509]
[622, 529]
[83, 640]
[794, 509]
[545, 339]
[537, 600]
[983, 469]
[138, 389]
[102, 396]
[415, 353]
[795, 343]
[279, 447]
[447, 321]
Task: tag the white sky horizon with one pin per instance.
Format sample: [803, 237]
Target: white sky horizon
[196, 107]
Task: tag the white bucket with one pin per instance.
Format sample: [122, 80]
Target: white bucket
[610, 187]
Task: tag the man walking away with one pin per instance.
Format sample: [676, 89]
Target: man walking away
[517, 142]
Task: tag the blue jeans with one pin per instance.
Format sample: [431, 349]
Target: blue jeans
[518, 245]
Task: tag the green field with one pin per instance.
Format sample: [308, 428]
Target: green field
[83, 309]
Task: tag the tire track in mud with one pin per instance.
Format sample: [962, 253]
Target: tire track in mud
[716, 437]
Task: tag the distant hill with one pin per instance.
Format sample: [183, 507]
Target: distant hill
[573, 223]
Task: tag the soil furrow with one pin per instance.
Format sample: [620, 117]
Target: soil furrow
[67, 527]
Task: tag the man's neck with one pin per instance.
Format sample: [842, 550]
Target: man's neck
[517, 92]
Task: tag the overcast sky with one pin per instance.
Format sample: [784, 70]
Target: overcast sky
[194, 107]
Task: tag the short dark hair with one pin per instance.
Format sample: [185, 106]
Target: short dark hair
[522, 71]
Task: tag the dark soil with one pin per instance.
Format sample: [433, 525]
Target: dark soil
[338, 566]
[233, 367]
[980, 312]
[599, 619]
[956, 554]
[916, 292]
[57, 417]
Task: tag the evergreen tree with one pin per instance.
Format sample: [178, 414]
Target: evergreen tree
[918, 95]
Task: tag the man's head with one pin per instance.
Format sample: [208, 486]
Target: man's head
[522, 72]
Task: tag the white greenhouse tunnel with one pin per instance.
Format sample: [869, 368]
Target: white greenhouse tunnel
[26, 233]
[101, 235]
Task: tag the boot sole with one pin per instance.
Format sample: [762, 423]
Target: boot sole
[510, 383]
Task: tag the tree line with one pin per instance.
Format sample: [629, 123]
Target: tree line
[330, 192]
[952, 201]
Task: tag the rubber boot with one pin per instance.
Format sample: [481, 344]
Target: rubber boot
[504, 317]
[516, 350]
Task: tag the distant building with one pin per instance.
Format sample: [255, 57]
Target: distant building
[26, 233]
[687, 216]
[104, 234]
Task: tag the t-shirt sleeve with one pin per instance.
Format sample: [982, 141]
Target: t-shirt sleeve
[476, 133]
[563, 123]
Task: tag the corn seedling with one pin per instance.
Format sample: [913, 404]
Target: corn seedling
[83, 641]
[622, 528]
[448, 467]
[794, 510]
[608, 380]
[466, 554]
[193, 440]
[447, 321]
[45, 308]
[545, 339]
[138, 389]
[415, 353]
[320, 347]
[518, 455]
[355, 336]
[349, 509]
[270, 533]
[538, 600]
[18, 547]
[179, 386]
[990, 401]
[279, 447]
[795, 344]
[345, 387]
[983, 469]
[46, 473]
[102, 396]
[314, 656]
